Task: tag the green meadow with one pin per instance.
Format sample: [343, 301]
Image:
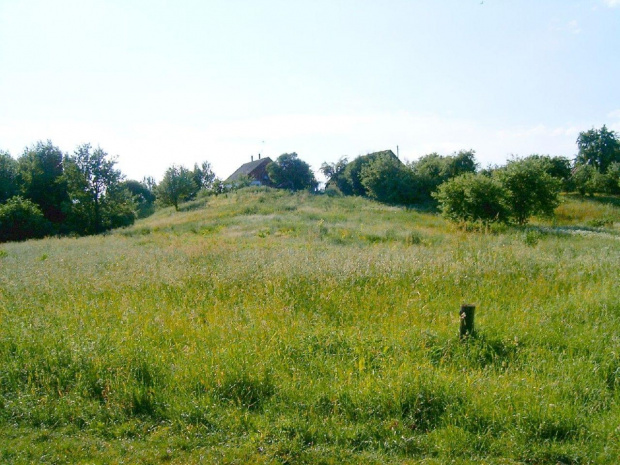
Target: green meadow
[277, 328]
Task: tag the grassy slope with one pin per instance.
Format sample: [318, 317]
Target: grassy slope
[275, 328]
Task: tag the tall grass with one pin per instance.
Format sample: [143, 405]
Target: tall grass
[270, 327]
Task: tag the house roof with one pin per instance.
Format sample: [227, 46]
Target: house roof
[381, 153]
[248, 168]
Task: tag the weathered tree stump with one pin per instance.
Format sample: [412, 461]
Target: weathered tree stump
[467, 320]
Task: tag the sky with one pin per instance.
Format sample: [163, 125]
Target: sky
[158, 82]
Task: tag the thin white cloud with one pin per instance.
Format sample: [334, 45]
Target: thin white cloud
[612, 3]
[614, 114]
[573, 27]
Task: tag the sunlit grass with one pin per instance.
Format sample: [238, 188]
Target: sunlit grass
[270, 327]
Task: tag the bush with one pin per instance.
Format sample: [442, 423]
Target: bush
[333, 191]
[387, 180]
[348, 178]
[473, 198]
[21, 219]
[556, 167]
[612, 179]
[530, 190]
[587, 180]
[349, 182]
[433, 169]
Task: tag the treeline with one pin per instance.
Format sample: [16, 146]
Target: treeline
[383, 177]
[464, 193]
[47, 192]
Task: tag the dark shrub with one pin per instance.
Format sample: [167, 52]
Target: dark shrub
[21, 219]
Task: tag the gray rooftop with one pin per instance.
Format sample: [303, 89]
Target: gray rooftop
[246, 170]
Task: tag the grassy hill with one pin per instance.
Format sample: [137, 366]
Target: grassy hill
[269, 327]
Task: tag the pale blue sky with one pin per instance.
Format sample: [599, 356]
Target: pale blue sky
[159, 82]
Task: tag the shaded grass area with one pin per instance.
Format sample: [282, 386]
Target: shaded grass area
[268, 327]
[597, 211]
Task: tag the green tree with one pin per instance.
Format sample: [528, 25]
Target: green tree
[139, 190]
[93, 184]
[612, 178]
[461, 162]
[599, 148]
[557, 167]
[289, 172]
[472, 198]
[177, 186]
[349, 179]
[143, 197]
[149, 182]
[9, 176]
[41, 172]
[22, 219]
[118, 210]
[587, 180]
[203, 176]
[530, 189]
[333, 172]
[350, 182]
[433, 169]
[387, 180]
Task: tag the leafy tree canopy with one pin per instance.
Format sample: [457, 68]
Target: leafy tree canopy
[434, 169]
[387, 180]
[21, 219]
[289, 172]
[349, 177]
[530, 189]
[557, 167]
[9, 176]
[177, 186]
[143, 196]
[93, 185]
[139, 190]
[612, 176]
[203, 175]
[367, 175]
[334, 172]
[41, 171]
[472, 198]
[587, 180]
[599, 148]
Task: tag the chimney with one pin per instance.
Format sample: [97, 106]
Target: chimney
[259, 156]
[252, 157]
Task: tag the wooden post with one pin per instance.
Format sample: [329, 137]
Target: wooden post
[467, 320]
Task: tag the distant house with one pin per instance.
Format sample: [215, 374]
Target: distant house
[383, 153]
[256, 170]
